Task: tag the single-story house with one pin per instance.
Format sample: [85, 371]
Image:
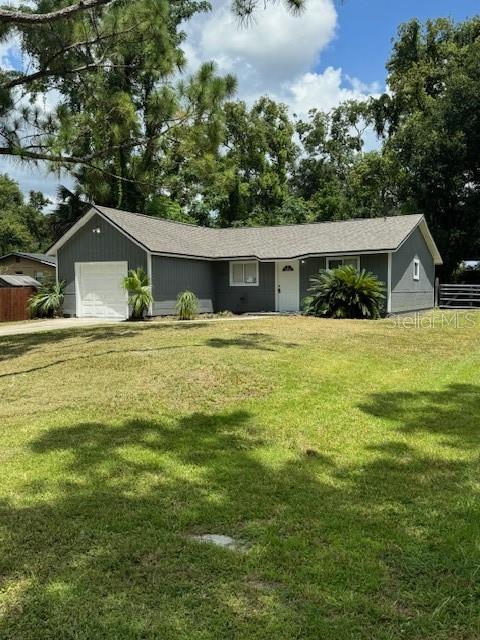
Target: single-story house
[35, 265]
[246, 269]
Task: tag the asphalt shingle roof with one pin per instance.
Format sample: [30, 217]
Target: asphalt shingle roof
[40, 257]
[264, 243]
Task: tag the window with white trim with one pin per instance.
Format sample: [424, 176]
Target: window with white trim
[416, 269]
[244, 274]
[342, 261]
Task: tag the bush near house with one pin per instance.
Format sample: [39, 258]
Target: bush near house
[345, 292]
[48, 301]
[137, 284]
[187, 305]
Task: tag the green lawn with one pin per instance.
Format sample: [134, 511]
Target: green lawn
[344, 455]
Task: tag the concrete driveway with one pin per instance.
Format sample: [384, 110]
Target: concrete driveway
[36, 326]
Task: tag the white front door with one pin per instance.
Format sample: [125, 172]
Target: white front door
[99, 290]
[288, 285]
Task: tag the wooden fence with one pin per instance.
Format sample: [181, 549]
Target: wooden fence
[13, 303]
[458, 296]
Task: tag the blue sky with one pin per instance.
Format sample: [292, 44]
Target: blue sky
[366, 27]
[333, 52]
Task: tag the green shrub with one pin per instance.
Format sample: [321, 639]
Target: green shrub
[137, 284]
[48, 301]
[187, 305]
[345, 293]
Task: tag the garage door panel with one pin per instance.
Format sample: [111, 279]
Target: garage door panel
[99, 289]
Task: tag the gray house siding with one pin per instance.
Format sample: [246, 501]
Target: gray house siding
[409, 294]
[377, 263]
[309, 267]
[86, 246]
[244, 299]
[170, 276]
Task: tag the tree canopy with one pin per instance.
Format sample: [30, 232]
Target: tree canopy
[23, 227]
[105, 99]
[431, 124]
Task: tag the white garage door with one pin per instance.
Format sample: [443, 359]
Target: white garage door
[99, 290]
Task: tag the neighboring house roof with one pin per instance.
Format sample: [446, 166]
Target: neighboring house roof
[356, 235]
[38, 257]
[18, 281]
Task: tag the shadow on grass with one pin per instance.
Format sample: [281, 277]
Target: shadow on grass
[254, 340]
[17, 345]
[92, 356]
[382, 547]
[20, 345]
[453, 412]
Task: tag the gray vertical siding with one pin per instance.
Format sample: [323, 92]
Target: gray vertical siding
[409, 294]
[244, 299]
[377, 263]
[309, 267]
[86, 246]
[171, 276]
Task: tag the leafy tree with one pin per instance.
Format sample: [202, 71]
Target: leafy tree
[242, 177]
[431, 122]
[70, 207]
[373, 185]
[107, 60]
[259, 156]
[331, 144]
[23, 226]
[14, 235]
[181, 121]
[293, 210]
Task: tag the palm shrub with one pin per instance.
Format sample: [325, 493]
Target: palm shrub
[187, 305]
[137, 285]
[48, 301]
[345, 292]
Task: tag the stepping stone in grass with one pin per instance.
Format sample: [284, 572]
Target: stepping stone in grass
[220, 541]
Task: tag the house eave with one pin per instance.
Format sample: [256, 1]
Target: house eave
[301, 256]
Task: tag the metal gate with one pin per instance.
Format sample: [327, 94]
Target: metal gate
[459, 296]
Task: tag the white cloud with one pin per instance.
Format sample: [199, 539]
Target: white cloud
[276, 55]
[324, 90]
[275, 44]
